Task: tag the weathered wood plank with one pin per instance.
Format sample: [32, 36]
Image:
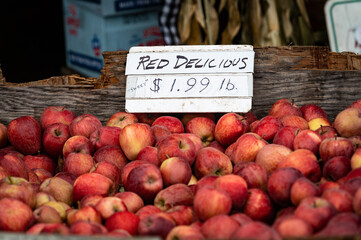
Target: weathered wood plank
[307, 74]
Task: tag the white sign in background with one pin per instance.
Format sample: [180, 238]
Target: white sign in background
[190, 79]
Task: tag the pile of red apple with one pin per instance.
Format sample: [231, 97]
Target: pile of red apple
[292, 173]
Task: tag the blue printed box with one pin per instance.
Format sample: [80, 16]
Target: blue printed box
[88, 32]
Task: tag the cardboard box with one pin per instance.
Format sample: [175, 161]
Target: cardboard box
[92, 28]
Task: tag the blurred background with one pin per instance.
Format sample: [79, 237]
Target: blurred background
[40, 39]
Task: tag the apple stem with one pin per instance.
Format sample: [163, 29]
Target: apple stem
[335, 136]
[293, 101]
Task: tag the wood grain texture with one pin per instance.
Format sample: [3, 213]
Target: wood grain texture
[307, 74]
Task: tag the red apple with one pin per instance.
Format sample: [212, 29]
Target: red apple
[149, 154]
[256, 230]
[105, 136]
[147, 210]
[175, 170]
[210, 161]
[284, 107]
[3, 173]
[3, 135]
[271, 155]
[40, 161]
[147, 118]
[145, 180]
[127, 168]
[215, 144]
[259, 206]
[351, 184]
[209, 202]
[121, 119]
[229, 128]
[160, 132]
[78, 163]
[182, 214]
[177, 145]
[176, 194]
[84, 125]
[186, 117]
[241, 218]
[18, 188]
[24, 133]
[267, 127]
[250, 116]
[336, 146]
[203, 127]
[340, 199]
[54, 138]
[132, 201]
[336, 168]
[348, 122]
[356, 141]
[294, 121]
[87, 228]
[253, 173]
[107, 206]
[326, 132]
[343, 225]
[292, 226]
[107, 169]
[90, 200]
[67, 176]
[14, 165]
[157, 224]
[325, 184]
[315, 210]
[246, 148]
[235, 186]
[92, 183]
[56, 114]
[111, 154]
[123, 220]
[356, 201]
[303, 188]
[46, 214]
[48, 228]
[305, 161]
[58, 188]
[206, 181]
[219, 227]
[87, 213]
[16, 216]
[172, 123]
[312, 111]
[307, 139]
[184, 232]
[198, 144]
[77, 144]
[285, 136]
[134, 137]
[279, 184]
[39, 174]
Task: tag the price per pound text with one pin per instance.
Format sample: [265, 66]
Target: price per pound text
[163, 86]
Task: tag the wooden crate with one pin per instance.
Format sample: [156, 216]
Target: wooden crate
[306, 74]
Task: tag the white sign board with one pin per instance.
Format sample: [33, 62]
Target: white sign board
[343, 21]
[212, 78]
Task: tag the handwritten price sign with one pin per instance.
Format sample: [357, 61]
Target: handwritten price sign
[189, 86]
[189, 79]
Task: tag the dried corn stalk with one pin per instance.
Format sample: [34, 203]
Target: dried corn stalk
[256, 22]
